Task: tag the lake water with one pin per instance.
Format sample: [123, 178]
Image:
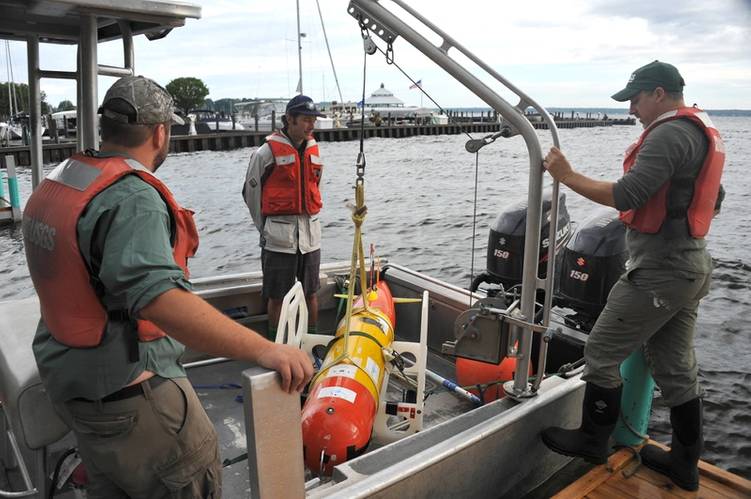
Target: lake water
[419, 193]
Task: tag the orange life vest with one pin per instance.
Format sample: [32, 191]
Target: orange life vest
[70, 306]
[650, 217]
[292, 189]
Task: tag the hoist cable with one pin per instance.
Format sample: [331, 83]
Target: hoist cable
[474, 227]
[359, 211]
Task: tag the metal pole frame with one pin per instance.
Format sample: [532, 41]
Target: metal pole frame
[79, 99]
[35, 109]
[128, 51]
[87, 71]
[88, 44]
[299, 47]
[388, 27]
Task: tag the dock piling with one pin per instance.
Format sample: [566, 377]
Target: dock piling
[389, 128]
[10, 209]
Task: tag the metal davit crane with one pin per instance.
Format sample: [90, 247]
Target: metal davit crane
[373, 17]
[493, 450]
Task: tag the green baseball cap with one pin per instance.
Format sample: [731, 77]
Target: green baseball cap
[653, 75]
[151, 103]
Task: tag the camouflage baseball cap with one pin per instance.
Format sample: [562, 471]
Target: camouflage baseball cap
[151, 103]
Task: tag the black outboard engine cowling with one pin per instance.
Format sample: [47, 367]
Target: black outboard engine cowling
[506, 240]
[590, 265]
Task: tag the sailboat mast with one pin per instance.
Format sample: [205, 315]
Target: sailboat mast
[10, 79]
[299, 49]
[326, 38]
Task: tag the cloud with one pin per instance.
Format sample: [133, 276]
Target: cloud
[562, 53]
[689, 16]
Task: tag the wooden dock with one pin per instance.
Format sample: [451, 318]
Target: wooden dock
[624, 477]
[226, 140]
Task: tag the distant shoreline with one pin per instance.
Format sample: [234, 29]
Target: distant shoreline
[608, 110]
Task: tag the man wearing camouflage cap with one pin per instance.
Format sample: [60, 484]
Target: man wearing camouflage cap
[667, 197]
[107, 247]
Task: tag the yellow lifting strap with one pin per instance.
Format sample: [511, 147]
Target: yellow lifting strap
[359, 211]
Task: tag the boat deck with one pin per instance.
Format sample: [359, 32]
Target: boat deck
[217, 386]
[624, 477]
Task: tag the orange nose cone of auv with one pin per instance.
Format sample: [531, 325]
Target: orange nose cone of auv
[337, 422]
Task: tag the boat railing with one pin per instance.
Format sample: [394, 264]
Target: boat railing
[375, 18]
[273, 423]
[17, 458]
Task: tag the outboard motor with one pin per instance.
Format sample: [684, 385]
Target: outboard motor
[589, 266]
[482, 336]
[506, 242]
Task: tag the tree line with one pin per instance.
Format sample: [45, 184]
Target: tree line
[21, 101]
[189, 93]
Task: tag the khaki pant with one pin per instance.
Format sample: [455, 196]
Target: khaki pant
[157, 445]
[654, 310]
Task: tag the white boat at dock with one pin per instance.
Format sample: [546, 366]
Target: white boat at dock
[203, 121]
[265, 114]
[461, 450]
[10, 132]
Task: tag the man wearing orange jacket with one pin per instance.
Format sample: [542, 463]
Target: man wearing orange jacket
[667, 198]
[282, 192]
[107, 247]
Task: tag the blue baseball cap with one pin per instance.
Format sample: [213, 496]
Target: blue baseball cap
[302, 104]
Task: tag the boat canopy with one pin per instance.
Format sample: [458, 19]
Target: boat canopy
[59, 21]
[84, 23]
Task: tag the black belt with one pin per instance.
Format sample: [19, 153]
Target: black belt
[129, 391]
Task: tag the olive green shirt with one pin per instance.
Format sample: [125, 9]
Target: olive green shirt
[124, 236]
[673, 151]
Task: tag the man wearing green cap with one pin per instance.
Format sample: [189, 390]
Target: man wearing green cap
[107, 247]
[667, 199]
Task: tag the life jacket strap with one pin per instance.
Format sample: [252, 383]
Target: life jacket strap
[122, 315]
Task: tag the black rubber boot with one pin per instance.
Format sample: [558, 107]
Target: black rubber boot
[681, 463]
[590, 441]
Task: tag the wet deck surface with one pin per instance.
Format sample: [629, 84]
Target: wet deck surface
[213, 384]
[216, 386]
[624, 477]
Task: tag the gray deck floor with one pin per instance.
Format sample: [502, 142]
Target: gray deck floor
[224, 406]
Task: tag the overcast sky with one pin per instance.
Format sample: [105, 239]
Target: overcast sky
[561, 53]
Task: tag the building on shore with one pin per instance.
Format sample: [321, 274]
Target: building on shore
[383, 104]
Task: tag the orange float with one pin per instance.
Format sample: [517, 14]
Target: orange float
[472, 372]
